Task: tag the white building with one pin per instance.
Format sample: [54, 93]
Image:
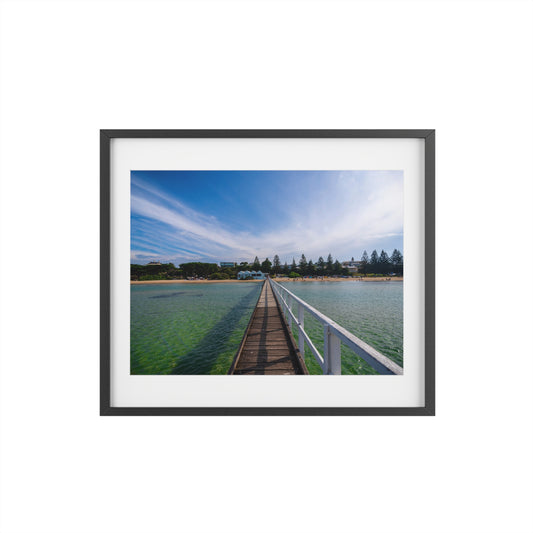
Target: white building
[352, 266]
[245, 274]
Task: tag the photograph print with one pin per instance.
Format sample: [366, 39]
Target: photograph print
[266, 272]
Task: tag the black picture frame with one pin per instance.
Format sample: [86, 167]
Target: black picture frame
[106, 136]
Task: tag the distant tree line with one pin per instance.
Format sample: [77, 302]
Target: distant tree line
[382, 263]
[304, 267]
[154, 272]
[169, 271]
[375, 264]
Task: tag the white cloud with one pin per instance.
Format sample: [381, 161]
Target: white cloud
[356, 212]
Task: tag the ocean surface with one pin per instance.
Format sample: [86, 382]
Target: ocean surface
[188, 329]
[371, 310]
[197, 328]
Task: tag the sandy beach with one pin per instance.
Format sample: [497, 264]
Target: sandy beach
[395, 278]
[193, 281]
[197, 281]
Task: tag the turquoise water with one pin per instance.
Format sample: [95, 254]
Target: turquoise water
[373, 311]
[197, 328]
[188, 329]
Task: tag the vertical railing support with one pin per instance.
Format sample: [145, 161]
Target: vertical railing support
[301, 340]
[325, 369]
[332, 352]
[283, 307]
[289, 304]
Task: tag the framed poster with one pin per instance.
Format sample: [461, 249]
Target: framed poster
[266, 272]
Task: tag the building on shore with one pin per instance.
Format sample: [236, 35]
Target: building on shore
[352, 266]
[246, 274]
[227, 264]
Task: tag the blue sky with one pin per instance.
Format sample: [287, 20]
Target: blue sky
[213, 216]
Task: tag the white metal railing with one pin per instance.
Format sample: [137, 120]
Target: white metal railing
[334, 335]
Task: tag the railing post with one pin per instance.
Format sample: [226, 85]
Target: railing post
[332, 352]
[326, 349]
[301, 340]
[289, 305]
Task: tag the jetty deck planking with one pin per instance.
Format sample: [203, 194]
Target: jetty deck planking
[267, 347]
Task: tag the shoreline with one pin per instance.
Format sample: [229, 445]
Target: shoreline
[194, 281]
[300, 280]
[381, 278]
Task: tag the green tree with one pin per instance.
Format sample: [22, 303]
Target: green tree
[202, 270]
[337, 268]
[374, 262]
[364, 263]
[293, 265]
[230, 273]
[266, 265]
[320, 266]
[303, 265]
[311, 270]
[173, 273]
[277, 265]
[256, 265]
[154, 272]
[397, 262]
[285, 269]
[384, 262]
[329, 264]
[219, 275]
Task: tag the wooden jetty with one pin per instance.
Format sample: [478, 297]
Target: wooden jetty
[267, 346]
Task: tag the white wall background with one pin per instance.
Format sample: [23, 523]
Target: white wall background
[70, 68]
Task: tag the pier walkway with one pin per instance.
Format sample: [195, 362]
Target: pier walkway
[267, 346]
